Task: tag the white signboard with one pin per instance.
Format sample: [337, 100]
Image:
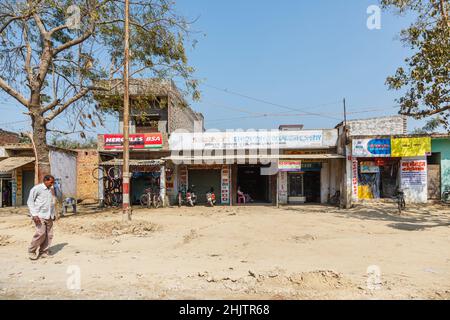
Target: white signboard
[246, 140]
[225, 188]
[283, 188]
[414, 173]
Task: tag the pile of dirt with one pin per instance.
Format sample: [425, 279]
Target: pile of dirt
[5, 240]
[106, 229]
[319, 280]
[193, 234]
[278, 282]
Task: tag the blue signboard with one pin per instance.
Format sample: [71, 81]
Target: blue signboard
[371, 148]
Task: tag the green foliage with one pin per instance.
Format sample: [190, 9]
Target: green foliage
[65, 63]
[67, 143]
[425, 79]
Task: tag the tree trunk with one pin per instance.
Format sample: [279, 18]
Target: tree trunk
[40, 146]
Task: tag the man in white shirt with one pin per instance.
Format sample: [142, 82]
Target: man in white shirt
[41, 204]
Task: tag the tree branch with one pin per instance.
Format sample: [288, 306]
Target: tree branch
[64, 106]
[76, 41]
[13, 93]
[426, 113]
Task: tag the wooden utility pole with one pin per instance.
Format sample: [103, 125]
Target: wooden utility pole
[345, 114]
[126, 119]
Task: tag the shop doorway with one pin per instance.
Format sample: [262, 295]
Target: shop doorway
[6, 192]
[27, 184]
[311, 186]
[203, 181]
[141, 181]
[251, 181]
[434, 176]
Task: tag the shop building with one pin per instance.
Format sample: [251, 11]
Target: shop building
[383, 164]
[157, 110]
[439, 166]
[379, 165]
[17, 172]
[272, 167]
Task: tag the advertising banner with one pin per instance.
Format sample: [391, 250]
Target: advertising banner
[369, 167]
[225, 189]
[355, 180]
[246, 140]
[290, 166]
[137, 141]
[411, 147]
[414, 173]
[366, 148]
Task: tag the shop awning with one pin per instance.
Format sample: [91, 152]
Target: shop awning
[119, 162]
[14, 162]
[255, 157]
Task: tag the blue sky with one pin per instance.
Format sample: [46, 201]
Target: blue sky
[305, 54]
[300, 54]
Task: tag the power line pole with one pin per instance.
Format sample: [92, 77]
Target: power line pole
[345, 114]
[126, 119]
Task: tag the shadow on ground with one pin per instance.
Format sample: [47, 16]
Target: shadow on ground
[415, 218]
[57, 248]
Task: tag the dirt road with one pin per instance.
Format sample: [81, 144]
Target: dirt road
[305, 252]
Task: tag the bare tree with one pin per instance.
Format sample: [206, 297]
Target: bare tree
[54, 51]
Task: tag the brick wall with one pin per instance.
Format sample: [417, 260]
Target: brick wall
[8, 137]
[182, 117]
[394, 125]
[87, 186]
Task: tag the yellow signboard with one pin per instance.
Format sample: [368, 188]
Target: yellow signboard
[410, 147]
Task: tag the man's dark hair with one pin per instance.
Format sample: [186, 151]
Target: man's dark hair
[49, 177]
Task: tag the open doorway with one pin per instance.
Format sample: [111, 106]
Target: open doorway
[251, 182]
[312, 186]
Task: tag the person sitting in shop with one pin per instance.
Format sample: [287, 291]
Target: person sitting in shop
[243, 197]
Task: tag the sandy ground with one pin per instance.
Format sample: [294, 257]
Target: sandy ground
[304, 252]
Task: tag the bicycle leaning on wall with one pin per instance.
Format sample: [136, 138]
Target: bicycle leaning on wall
[445, 198]
[112, 184]
[400, 198]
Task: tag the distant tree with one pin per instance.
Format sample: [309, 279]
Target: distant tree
[67, 143]
[426, 77]
[53, 52]
[430, 127]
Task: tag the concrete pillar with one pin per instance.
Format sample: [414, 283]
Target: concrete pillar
[1, 193]
[162, 184]
[324, 183]
[101, 195]
[346, 182]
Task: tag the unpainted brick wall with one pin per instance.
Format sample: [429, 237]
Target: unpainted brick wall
[181, 117]
[8, 137]
[394, 125]
[87, 186]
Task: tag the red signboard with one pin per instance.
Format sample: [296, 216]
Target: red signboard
[137, 141]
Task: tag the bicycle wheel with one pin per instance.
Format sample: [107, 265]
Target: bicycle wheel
[144, 200]
[107, 199]
[115, 173]
[116, 199]
[98, 173]
[180, 200]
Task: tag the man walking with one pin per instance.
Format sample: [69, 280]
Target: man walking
[41, 204]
